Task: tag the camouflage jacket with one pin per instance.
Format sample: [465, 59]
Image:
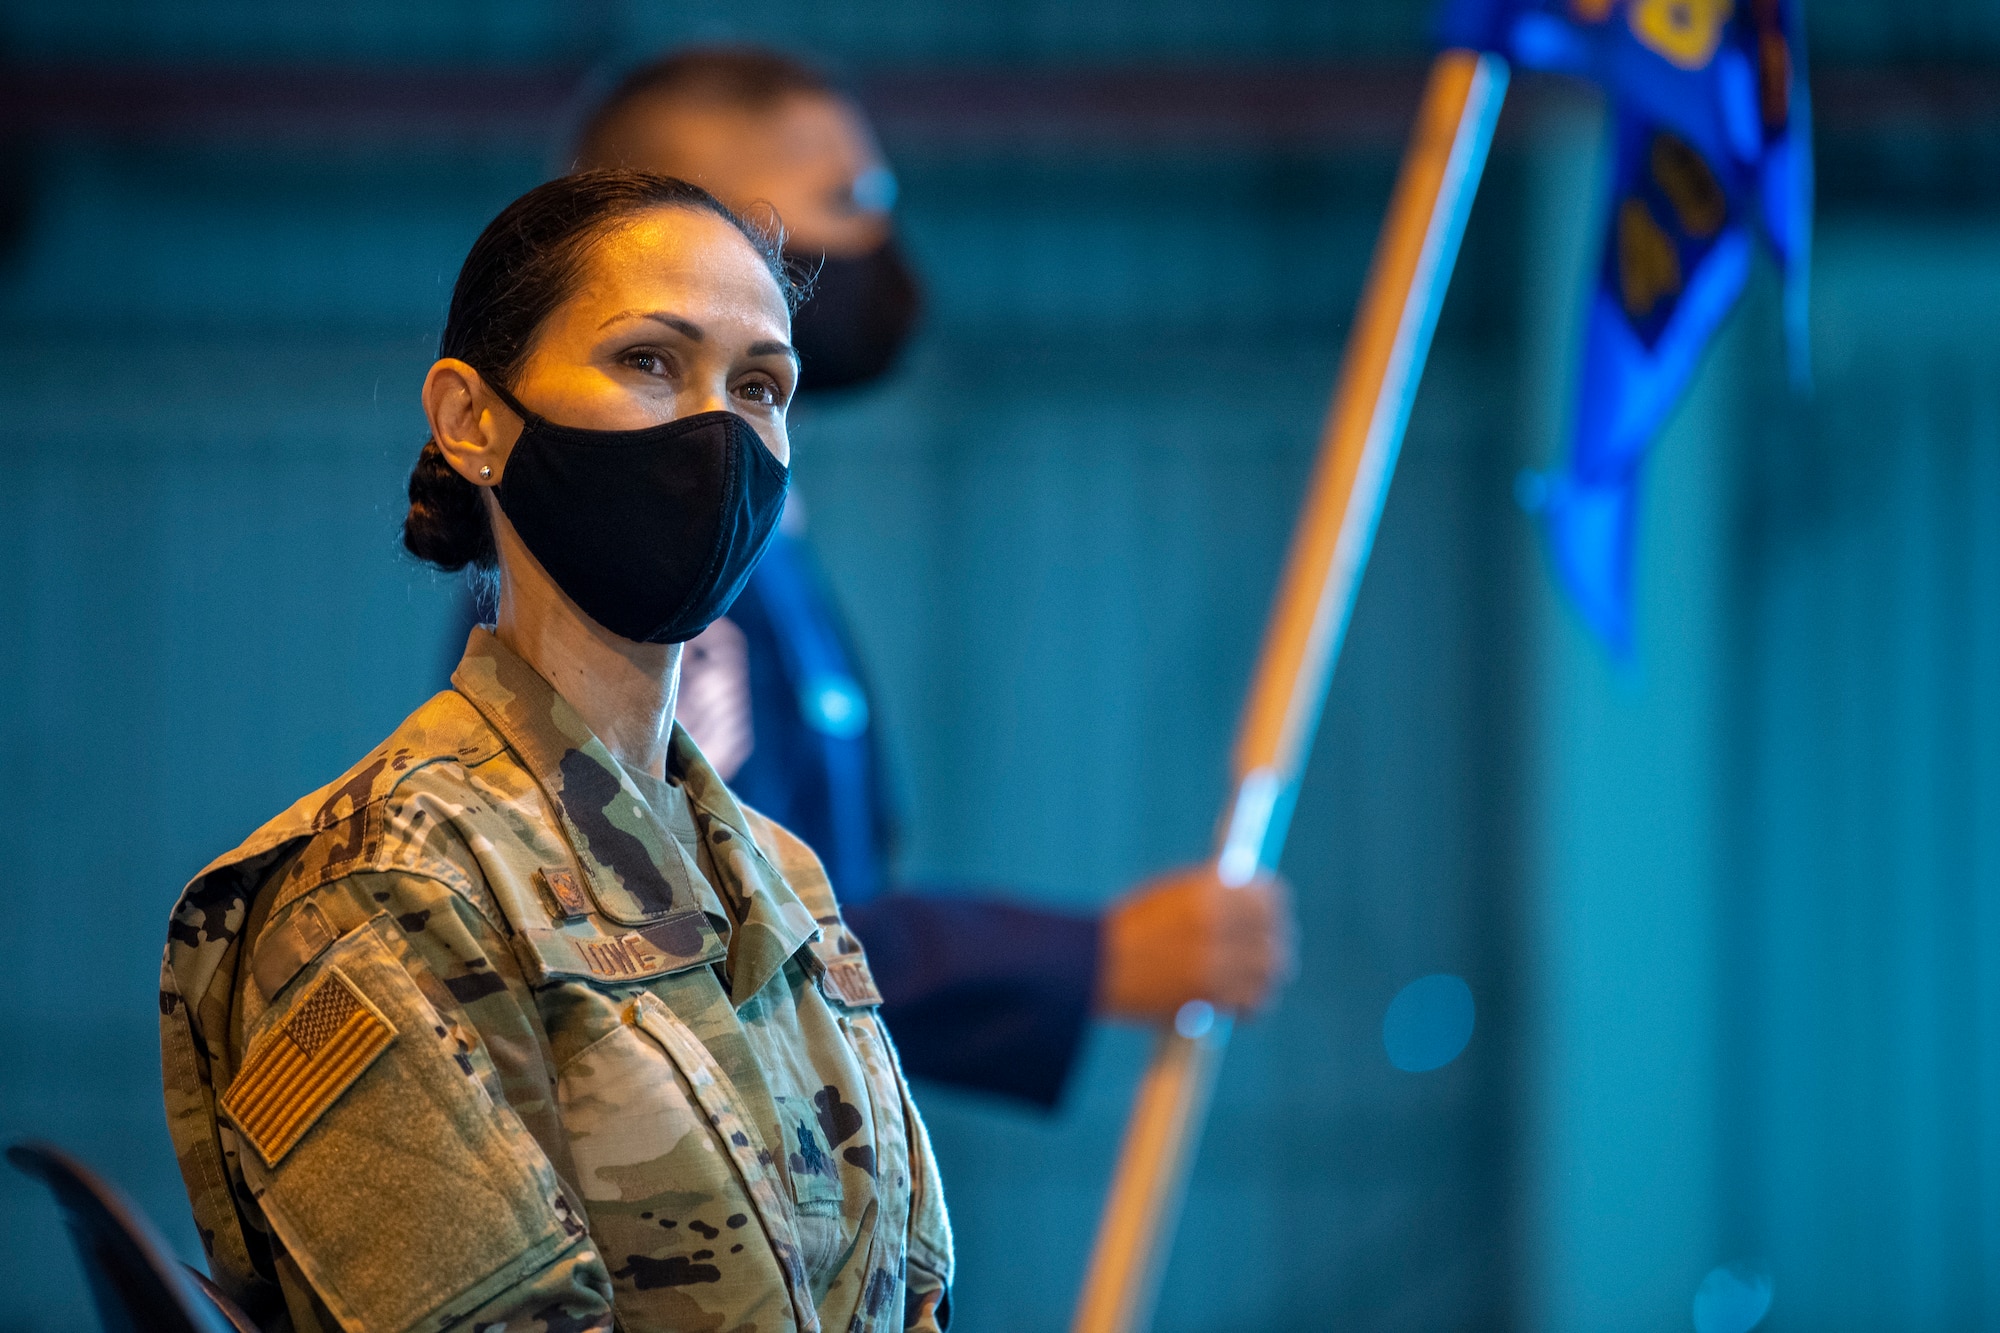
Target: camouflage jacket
[470, 1039]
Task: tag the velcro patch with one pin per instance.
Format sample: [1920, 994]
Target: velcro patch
[331, 1037]
[285, 950]
[851, 981]
[628, 956]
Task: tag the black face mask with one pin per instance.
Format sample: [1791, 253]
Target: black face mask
[857, 319]
[652, 532]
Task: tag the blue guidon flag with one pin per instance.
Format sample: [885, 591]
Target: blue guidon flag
[1709, 109]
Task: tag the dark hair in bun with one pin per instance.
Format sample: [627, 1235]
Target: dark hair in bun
[527, 262]
[742, 78]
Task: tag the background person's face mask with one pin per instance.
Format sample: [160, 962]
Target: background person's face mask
[859, 316]
[651, 532]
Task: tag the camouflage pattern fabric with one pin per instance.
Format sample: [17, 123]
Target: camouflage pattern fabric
[469, 1039]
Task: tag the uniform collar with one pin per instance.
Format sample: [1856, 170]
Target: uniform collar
[633, 865]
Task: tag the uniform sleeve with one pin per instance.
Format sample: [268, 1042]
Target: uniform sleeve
[376, 1134]
[927, 1285]
[979, 993]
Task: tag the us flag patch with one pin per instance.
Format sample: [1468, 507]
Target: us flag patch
[300, 1069]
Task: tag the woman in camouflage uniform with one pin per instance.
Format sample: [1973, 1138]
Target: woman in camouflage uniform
[525, 1021]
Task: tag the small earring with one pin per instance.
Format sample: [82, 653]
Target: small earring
[486, 474]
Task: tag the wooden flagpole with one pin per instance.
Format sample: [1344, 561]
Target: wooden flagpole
[1379, 371]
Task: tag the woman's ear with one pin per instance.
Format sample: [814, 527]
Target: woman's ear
[471, 431]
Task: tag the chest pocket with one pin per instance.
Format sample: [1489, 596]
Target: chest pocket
[684, 1197]
[377, 1155]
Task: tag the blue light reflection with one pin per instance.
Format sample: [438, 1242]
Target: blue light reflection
[1428, 1023]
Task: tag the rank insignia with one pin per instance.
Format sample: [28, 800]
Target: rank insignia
[565, 894]
[304, 1065]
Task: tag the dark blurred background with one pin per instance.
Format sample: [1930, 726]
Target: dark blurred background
[1731, 917]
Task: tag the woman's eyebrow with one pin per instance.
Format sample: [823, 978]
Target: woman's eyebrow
[687, 328]
[774, 349]
[690, 330]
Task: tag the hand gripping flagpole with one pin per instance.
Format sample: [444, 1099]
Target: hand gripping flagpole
[1358, 446]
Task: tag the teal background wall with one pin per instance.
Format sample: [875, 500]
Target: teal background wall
[1731, 917]
[1862, 1100]
[1622, 1004]
[1759, 1015]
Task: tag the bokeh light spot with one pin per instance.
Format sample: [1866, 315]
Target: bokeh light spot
[1732, 1299]
[1194, 1019]
[1428, 1023]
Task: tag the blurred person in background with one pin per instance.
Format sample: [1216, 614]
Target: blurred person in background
[526, 1022]
[979, 992]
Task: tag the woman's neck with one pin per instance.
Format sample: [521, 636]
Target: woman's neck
[623, 691]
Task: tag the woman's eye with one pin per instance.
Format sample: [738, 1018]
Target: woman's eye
[647, 363]
[761, 391]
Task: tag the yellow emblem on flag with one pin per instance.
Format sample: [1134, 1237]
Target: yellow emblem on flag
[302, 1067]
[1649, 268]
[1685, 32]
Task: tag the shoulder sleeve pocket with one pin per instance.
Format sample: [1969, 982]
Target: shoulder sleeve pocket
[394, 1181]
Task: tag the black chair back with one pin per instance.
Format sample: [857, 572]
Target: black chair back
[133, 1277]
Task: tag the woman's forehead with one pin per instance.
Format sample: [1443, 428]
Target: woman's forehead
[686, 256]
